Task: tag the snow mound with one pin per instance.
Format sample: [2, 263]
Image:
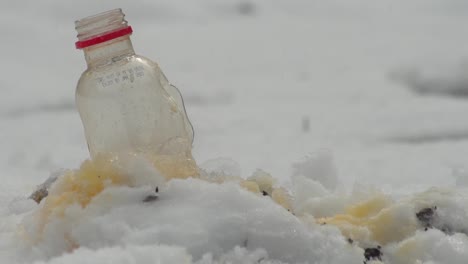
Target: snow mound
[112, 213]
[193, 215]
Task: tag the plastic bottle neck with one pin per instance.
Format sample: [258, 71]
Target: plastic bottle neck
[108, 52]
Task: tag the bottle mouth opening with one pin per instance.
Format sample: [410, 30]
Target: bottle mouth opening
[101, 27]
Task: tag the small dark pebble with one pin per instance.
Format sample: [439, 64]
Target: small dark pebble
[150, 198]
[373, 253]
[350, 240]
[264, 193]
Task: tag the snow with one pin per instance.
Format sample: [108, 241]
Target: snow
[381, 84]
[192, 214]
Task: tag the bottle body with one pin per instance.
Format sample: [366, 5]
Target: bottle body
[127, 105]
[125, 102]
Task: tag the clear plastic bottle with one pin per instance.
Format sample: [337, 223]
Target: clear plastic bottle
[125, 102]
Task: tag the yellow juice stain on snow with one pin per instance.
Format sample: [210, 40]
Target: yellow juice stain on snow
[82, 185]
[79, 187]
[373, 220]
[75, 187]
[370, 207]
[406, 252]
[175, 167]
[263, 184]
[281, 197]
[250, 186]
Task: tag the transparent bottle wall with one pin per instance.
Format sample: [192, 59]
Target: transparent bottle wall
[128, 105]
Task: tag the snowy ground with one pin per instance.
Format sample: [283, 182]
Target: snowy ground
[382, 84]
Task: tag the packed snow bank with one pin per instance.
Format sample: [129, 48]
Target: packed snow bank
[204, 220]
[198, 216]
[99, 209]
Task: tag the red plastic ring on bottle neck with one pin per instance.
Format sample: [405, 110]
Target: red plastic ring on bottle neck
[103, 38]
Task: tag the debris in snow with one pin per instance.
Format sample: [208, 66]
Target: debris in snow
[39, 194]
[426, 217]
[429, 219]
[373, 253]
[152, 197]
[43, 190]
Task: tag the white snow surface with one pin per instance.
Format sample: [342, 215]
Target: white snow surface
[197, 218]
[338, 100]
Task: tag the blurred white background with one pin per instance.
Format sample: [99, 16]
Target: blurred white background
[382, 84]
